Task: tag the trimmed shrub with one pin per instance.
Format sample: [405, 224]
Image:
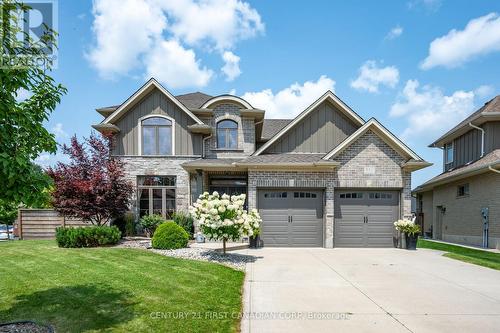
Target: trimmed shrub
[185, 221]
[87, 236]
[150, 222]
[169, 235]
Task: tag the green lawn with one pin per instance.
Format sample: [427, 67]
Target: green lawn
[478, 257]
[116, 290]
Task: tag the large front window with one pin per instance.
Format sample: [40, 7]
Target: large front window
[227, 134]
[156, 195]
[156, 136]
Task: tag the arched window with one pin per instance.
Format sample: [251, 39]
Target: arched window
[227, 134]
[156, 136]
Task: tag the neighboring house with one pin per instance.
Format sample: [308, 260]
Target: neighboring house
[325, 178]
[450, 205]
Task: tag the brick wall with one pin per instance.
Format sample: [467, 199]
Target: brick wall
[371, 163]
[462, 220]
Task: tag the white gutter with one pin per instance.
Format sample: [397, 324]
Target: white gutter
[482, 137]
[492, 169]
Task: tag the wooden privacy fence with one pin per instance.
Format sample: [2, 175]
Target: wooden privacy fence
[42, 223]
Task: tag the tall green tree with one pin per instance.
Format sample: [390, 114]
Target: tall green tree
[22, 135]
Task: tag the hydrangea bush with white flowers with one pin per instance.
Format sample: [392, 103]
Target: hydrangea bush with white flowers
[402, 225]
[407, 226]
[223, 217]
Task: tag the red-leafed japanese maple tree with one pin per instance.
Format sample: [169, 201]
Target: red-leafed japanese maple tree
[91, 186]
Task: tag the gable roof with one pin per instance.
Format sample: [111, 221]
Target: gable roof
[390, 139]
[193, 100]
[328, 96]
[143, 91]
[490, 108]
[272, 126]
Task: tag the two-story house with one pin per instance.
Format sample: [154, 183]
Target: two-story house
[324, 178]
[462, 204]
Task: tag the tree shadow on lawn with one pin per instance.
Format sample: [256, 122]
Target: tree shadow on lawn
[73, 308]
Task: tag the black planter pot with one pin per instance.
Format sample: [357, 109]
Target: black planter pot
[411, 242]
[254, 242]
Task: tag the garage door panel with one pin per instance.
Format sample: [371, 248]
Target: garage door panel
[365, 218]
[304, 229]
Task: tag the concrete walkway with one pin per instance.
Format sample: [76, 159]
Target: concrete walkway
[368, 290]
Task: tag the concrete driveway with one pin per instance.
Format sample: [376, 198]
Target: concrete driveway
[368, 290]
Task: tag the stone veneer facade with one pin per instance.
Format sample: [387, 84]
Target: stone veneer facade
[162, 166]
[246, 133]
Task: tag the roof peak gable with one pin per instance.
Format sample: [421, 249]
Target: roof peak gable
[386, 135]
[327, 96]
[148, 87]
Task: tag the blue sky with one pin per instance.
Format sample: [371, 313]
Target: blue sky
[418, 66]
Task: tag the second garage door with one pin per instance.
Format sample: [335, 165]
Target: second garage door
[291, 218]
[365, 218]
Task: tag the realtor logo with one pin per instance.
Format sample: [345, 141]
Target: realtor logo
[32, 26]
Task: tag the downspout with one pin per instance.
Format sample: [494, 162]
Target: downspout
[482, 137]
[203, 150]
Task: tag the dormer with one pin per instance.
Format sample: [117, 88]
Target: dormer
[235, 124]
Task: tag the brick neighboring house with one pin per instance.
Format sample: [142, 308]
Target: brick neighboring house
[325, 178]
[450, 205]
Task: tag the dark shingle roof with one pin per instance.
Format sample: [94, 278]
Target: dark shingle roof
[284, 158]
[272, 126]
[492, 105]
[193, 100]
[486, 160]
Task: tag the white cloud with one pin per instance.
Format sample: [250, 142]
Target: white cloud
[289, 102]
[481, 36]
[232, 65]
[395, 32]
[484, 91]
[429, 112]
[371, 77]
[169, 62]
[124, 30]
[129, 33]
[219, 22]
[59, 132]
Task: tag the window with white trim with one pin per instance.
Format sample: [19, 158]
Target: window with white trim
[227, 134]
[156, 136]
[448, 153]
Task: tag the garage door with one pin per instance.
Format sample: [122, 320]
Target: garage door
[365, 218]
[291, 218]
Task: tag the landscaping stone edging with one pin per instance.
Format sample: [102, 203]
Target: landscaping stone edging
[233, 260]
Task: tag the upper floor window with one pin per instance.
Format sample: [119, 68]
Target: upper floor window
[448, 153]
[156, 136]
[227, 134]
